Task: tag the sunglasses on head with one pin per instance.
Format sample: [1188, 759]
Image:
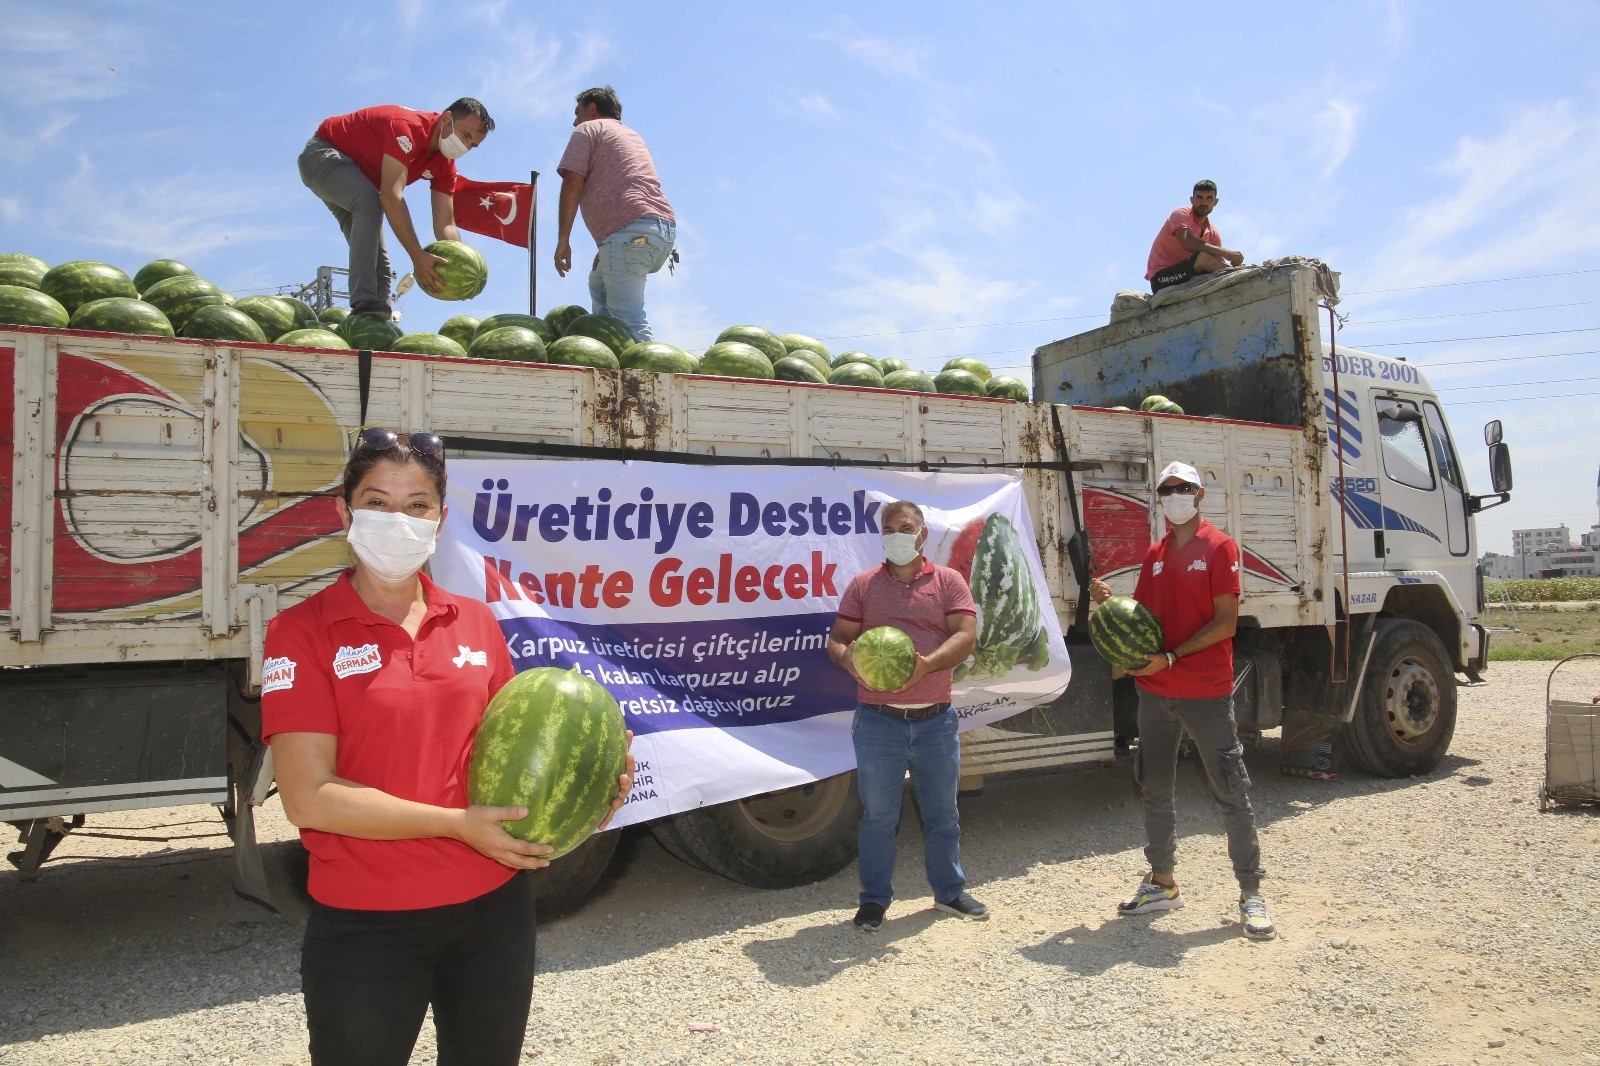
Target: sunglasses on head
[379, 439]
[1182, 488]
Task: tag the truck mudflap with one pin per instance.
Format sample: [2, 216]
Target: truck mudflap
[1479, 662]
[250, 790]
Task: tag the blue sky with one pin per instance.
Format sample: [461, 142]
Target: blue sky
[921, 180]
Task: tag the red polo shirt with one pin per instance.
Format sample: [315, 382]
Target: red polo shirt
[919, 609]
[404, 714]
[1178, 585]
[366, 136]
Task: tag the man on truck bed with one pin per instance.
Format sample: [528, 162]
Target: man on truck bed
[608, 171]
[1188, 243]
[914, 726]
[360, 164]
[1190, 582]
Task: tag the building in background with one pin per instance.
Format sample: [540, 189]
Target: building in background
[1548, 552]
[1538, 541]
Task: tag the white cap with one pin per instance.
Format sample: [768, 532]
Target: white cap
[1183, 472]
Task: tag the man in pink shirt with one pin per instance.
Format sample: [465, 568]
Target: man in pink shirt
[1188, 243]
[607, 171]
[913, 727]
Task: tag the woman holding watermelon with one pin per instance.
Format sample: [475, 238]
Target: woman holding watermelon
[371, 696]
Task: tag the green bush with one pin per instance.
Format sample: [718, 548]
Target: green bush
[1543, 589]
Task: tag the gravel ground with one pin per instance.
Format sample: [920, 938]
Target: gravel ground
[1435, 920]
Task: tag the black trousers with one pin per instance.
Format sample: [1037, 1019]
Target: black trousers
[370, 976]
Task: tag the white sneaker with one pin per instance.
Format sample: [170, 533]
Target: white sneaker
[1253, 914]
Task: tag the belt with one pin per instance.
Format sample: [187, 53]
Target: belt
[910, 714]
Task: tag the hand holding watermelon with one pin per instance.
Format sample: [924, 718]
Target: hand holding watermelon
[481, 830]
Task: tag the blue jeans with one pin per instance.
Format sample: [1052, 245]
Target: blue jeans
[625, 260]
[885, 748]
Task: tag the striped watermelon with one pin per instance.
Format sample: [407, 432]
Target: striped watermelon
[158, 270]
[603, 328]
[762, 340]
[552, 741]
[735, 359]
[855, 357]
[275, 315]
[463, 273]
[1124, 631]
[1008, 601]
[1006, 388]
[508, 342]
[22, 269]
[958, 382]
[976, 367]
[81, 281]
[119, 314]
[313, 338]
[884, 657]
[23, 306]
[576, 350]
[368, 331]
[659, 357]
[800, 342]
[864, 374]
[795, 368]
[182, 295]
[539, 326]
[560, 317]
[460, 328]
[909, 381]
[428, 344]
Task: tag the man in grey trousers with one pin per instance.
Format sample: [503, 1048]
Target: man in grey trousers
[359, 166]
[1190, 581]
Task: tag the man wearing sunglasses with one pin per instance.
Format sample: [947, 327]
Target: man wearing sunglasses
[1190, 582]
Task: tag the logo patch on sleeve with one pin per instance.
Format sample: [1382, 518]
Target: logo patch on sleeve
[362, 660]
[277, 674]
[405, 143]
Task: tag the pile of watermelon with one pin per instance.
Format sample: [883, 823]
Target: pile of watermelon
[165, 298]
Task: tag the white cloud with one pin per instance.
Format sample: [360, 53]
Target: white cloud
[899, 58]
[997, 213]
[1336, 126]
[64, 57]
[410, 13]
[812, 106]
[535, 75]
[10, 209]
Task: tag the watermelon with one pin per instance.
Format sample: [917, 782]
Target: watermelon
[659, 358]
[538, 325]
[427, 344]
[798, 342]
[119, 314]
[856, 374]
[909, 381]
[814, 358]
[1119, 407]
[332, 316]
[75, 284]
[159, 270]
[1124, 631]
[459, 328]
[508, 342]
[884, 658]
[313, 338]
[794, 368]
[855, 357]
[552, 741]
[1006, 389]
[22, 306]
[19, 268]
[958, 382]
[603, 328]
[462, 275]
[1150, 403]
[1166, 408]
[763, 341]
[275, 315]
[369, 332]
[576, 350]
[218, 322]
[558, 318]
[181, 296]
[735, 359]
[891, 364]
[976, 367]
[307, 314]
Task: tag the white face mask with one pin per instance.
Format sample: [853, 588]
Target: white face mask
[1179, 509]
[452, 147]
[900, 548]
[392, 545]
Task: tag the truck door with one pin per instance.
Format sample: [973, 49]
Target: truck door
[1455, 487]
[1413, 526]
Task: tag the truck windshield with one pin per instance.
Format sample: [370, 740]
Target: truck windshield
[1405, 451]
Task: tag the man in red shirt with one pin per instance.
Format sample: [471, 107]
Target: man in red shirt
[915, 726]
[360, 164]
[1190, 582]
[1188, 243]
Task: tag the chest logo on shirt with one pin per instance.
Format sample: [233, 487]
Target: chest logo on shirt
[362, 660]
[404, 142]
[1155, 571]
[277, 674]
[468, 657]
[1198, 564]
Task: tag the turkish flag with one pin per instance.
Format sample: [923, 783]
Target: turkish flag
[498, 209]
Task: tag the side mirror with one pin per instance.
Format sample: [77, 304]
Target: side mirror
[1492, 434]
[1397, 413]
[1500, 464]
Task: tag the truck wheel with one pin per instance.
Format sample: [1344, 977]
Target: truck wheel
[784, 839]
[564, 886]
[671, 840]
[1406, 714]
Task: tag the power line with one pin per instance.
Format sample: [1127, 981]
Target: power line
[1479, 281]
[1523, 399]
[1510, 358]
[972, 325]
[1518, 384]
[1463, 314]
[1490, 337]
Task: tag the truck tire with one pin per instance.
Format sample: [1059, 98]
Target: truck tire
[796, 836]
[1406, 714]
[671, 840]
[565, 885]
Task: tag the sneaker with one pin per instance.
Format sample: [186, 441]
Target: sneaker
[1253, 914]
[869, 919]
[966, 907]
[375, 308]
[1152, 897]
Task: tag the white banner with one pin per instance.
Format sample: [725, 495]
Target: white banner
[701, 597]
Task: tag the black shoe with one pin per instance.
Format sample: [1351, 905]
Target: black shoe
[869, 919]
[375, 308]
[965, 906]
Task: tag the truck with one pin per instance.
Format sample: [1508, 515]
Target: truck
[166, 498]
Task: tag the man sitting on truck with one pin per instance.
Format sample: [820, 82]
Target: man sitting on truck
[359, 166]
[1188, 243]
[1190, 582]
[915, 726]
